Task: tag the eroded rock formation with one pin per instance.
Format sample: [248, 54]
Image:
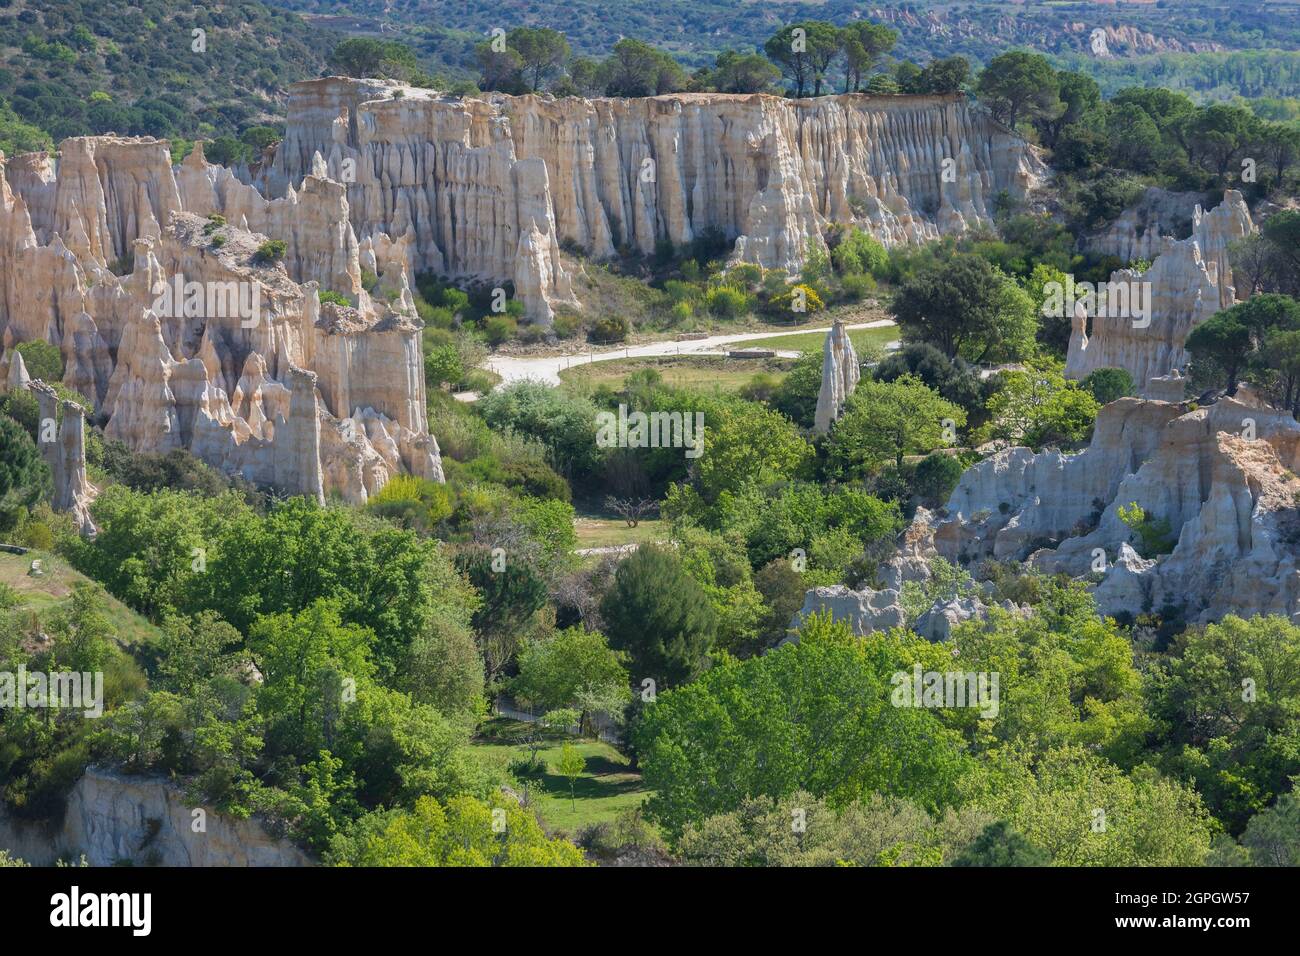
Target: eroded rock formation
[182, 334]
[61, 437]
[840, 374]
[1148, 228]
[1222, 477]
[487, 188]
[114, 819]
[1186, 284]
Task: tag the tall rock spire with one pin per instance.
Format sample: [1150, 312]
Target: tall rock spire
[840, 376]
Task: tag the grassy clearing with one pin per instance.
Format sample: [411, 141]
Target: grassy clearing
[44, 594]
[605, 789]
[680, 371]
[614, 532]
[862, 339]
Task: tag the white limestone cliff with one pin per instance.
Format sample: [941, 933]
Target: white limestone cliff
[1222, 476]
[181, 336]
[488, 187]
[1186, 284]
[114, 819]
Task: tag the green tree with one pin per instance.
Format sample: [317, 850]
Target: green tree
[657, 613]
[571, 668]
[885, 421]
[1108, 384]
[43, 360]
[367, 57]
[635, 68]
[948, 75]
[24, 477]
[813, 715]
[570, 766]
[307, 661]
[743, 73]
[462, 832]
[1036, 406]
[865, 43]
[1226, 706]
[1017, 85]
[966, 307]
[746, 443]
[542, 52]
[999, 845]
[1084, 811]
[804, 51]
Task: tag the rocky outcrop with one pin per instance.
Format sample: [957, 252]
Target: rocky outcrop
[840, 374]
[182, 334]
[487, 188]
[113, 820]
[61, 437]
[866, 610]
[1148, 228]
[1222, 477]
[64, 452]
[1186, 284]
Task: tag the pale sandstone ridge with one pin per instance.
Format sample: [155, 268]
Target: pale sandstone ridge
[114, 819]
[1223, 476]
[840, 374]
[1189, 281]
[182, 337]
[488, 188]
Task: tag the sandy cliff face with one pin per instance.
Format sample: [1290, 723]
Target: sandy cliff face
[1222, 476]
[1189, 281]
[113, 818]
[488, 188]
[183, 337]
[99, 249]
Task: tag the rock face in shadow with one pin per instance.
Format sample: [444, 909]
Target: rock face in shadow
[840, 374]
[183, 333]
[1189, 281]
[116, 819]
[489, 187]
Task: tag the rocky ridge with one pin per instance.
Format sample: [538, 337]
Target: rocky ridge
[183, 334]
[1189, 281]
[488, 188]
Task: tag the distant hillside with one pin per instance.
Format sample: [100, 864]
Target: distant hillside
[694, 30]
[73, 67]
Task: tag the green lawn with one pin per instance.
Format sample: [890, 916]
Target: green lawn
[814, 341]
[604, 790]
[685, 371]
[44, 594]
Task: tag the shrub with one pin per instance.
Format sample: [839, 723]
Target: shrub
[858, 253]
[565, 325]
[797, 299]
[500, 328]
[272, 250]
[1108, 384]
[727, 302]
[338, 298]
[43, 360]
[610, 328]
[857, 286]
